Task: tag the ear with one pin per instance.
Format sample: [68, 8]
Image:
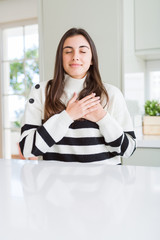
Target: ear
[91, 62]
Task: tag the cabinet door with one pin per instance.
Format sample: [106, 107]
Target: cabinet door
[144, 157]
[147, 25]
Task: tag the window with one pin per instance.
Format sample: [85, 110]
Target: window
[134, 87]
[20, 70]
[134, 92]
[142, 86]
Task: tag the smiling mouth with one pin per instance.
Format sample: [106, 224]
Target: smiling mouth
[75, 65]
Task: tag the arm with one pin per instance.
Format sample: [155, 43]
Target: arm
[36, 138]
[115, 125]
[118, 141]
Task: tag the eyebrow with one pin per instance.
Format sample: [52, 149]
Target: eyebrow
[79, 47]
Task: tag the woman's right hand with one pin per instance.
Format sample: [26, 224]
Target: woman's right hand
[79, 108]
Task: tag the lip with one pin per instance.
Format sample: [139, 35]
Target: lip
[75, 65]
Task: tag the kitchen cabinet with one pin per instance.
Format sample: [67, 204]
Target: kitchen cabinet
[146, 27]
[147, 152]
[144, 157]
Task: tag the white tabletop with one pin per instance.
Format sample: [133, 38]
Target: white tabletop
[74, 201]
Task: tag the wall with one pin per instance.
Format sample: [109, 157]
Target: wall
[101, 19]
[15, 10]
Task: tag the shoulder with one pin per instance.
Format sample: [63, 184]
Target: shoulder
[39, 88]
[113, 91]
[117, 104]
[37, 93]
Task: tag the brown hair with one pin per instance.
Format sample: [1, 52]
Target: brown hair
[55, 87]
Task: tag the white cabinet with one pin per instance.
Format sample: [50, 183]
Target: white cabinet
[147, 28]
[144, 157]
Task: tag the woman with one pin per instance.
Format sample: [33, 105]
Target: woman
[75, 117]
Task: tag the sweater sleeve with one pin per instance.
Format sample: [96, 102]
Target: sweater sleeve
[117, 127]
[37, 137]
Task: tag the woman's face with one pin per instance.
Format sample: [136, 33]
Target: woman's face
[77, 56]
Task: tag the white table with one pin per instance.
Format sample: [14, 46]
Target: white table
[73, 201]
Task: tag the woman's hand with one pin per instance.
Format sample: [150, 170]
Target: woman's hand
[96, 115]
[80, 108]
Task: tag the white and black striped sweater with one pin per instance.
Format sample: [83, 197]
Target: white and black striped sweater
[61, 138]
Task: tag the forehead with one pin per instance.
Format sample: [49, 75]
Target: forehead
[76, 41]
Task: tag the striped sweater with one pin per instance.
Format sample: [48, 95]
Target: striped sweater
[60, 138]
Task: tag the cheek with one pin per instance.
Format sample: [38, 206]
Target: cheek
[64, 59]
[88, 61]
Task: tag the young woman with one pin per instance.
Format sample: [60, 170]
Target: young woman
[75, 117]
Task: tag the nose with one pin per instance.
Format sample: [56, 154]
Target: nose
[75, 56]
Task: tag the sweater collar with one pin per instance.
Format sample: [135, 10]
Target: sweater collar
[73, 83]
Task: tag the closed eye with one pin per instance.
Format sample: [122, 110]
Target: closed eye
[83, 52]
[68, 52]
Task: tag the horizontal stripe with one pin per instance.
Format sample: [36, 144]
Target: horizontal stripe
[72, 146]
[115, 143]
[124, 145]
[28, 127]
[133, 150]
[35, 151]
[132, 134]
[21, 145]
[78, 158]
[71, 149]
[89, 141]
[81, 141]
[122, 148]
[81, 132]
[121, 141]
[83, 124]
[46, 136]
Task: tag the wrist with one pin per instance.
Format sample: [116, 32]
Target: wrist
[68, 113]
[101, 116]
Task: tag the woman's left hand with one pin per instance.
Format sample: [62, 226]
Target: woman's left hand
[96, 115]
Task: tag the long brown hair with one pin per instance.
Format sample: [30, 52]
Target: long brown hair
[55, 87]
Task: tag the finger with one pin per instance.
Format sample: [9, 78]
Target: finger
[91, 109]
[87, 98]
[74, 98]
[92, 103]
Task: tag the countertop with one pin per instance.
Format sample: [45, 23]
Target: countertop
[76, 201]
[147, 141]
